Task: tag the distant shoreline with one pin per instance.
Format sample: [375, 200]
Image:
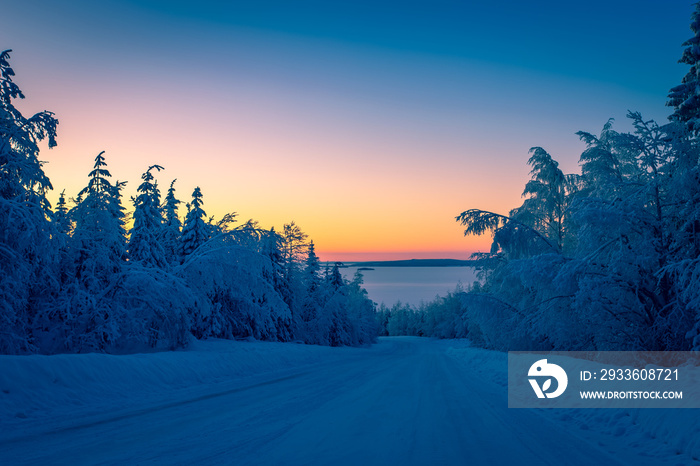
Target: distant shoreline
[412, 263]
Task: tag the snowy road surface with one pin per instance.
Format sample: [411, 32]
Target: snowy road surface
[404, 401]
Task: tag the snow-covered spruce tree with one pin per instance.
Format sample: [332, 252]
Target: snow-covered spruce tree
[685, 98]
[27, 253]
[682, 211]
[170, 233]
[270, 247]
[311, 281]
[141, 306]
[109, 304]
[94, 254]
[323, 309]
[363, 327]
[61, 217]
[548, 194]
[327, 311]
[64, 227]
[144, 245]
[117, 209]
[605, 163]
[683, 270]
[195, 230]
[99, 239]
[345, 315]
[315, 295]
[335, 279]
[312, 269]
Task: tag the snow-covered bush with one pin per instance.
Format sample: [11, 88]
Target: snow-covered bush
[237, 282]
[140, 309]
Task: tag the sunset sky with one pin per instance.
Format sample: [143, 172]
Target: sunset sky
[370, 124]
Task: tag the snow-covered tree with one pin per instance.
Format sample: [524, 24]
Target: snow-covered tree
[98, 241]
[117, 209]
[94, 255]
[61, 217]
[144, 245]
[270, 248]
[547, 197]
[603, 166]
[294, 245]
[314, 295]
[170, 233]
[312, 269]
[68, 285]
[685, 98]
[624, 280]
[27, 253]
[335, 278]
[236, 280]
[23, 177]
[217, 227]
[195, 230]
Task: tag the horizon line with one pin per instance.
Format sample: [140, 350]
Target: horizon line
[370, 256]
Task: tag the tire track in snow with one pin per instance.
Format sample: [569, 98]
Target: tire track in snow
[145, 411]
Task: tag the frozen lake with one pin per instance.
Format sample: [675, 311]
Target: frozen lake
[411, 284]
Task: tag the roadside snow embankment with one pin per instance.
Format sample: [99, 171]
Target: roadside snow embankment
[655, 431]
[37, 387]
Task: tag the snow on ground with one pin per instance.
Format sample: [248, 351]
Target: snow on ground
[37, 387]
[402, 401]
[655, 432]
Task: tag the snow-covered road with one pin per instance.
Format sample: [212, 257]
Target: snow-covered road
[405, 401]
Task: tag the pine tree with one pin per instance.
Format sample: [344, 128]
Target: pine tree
[545, 207]
[21, 173]
[61, 218]
[604, 163]
[195, 230]
[27, 252]
[98, 238]
[294, 245]
[313, 294]
[117, 209]
[148, 223]
[270, 248]
[336, 279]
[685, 98]
[313, 266]
[170, 233]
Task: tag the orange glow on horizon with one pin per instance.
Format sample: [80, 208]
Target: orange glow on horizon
[371, 147]
[333, 256]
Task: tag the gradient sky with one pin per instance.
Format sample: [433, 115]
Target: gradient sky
[371, 124]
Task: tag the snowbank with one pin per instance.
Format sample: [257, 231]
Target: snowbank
[36, 388]
[658, 431]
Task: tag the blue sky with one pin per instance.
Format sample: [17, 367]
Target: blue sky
[371, 124]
